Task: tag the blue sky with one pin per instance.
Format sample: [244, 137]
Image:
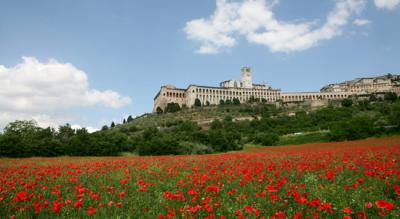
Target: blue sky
[121, 52]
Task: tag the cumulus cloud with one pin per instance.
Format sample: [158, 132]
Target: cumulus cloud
[42, 90]
[255, 21]
[387, 4]
[361, 22]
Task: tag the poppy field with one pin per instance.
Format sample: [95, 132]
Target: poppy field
[358, 179]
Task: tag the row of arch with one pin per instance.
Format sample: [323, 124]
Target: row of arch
[253, 92]
[217, 99]
[174, 94]
[301, 97]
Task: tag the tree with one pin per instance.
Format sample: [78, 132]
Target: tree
[373, 98]
[252, 99]
[395, 115]
[159, 110]
[104, 128]
[267, 138]
[80, 144]
[172, 107]
[228, 118]
[221, 102]
[236, 101]
[228, 102]
[130, 119]
[390, 96]
[19, 138]
[65, 133]
[216, 124]
[207, 103]
[112, 124]
[124, 121]
[355, 128]
[197, 103]
[347, 102]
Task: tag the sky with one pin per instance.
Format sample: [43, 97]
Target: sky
[90, 62]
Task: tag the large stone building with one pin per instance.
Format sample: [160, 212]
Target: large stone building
[244, 90]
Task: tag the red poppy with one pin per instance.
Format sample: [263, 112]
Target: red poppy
[22, 196]
[57, 206]
[347, 210]
[368, 205]
[384, 205]
[78, 204]
[91, 210]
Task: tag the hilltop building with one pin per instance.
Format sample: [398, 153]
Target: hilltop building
[244, 90]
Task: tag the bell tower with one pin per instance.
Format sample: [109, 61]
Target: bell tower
[246, 77]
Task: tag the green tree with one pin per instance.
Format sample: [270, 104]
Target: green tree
[347, 102]
[81, 144]
[172, 107]
[216, 124]
[266, 138]
[236, 101]
[395, 115]
[130, 119]
[221, 102]
[159, 110]
[355, 128]
[390, 96]
[112, 124]
[373, 98]
[18, 139]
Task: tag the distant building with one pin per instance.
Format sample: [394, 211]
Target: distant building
[385, 83]
[244, 90]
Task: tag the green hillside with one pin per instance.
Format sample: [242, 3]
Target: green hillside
[264, 124]
[206, 114]
[211, 129]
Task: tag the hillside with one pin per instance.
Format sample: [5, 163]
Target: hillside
[204, 115]
[229, 127]
[211, 129]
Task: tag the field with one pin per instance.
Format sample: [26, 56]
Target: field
[359, 179]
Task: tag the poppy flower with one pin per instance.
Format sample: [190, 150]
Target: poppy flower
[91, 210]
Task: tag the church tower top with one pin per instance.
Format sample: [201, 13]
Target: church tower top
[246, 77]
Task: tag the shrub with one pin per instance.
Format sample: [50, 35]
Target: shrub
[356, 128]
[159, 110]
[390, 96]
[236, 101]
[347, 102]
[266, 138]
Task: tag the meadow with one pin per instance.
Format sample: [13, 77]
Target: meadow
[354, 179]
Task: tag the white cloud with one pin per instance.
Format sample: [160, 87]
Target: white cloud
[387, 4]
[89, 128]
[45, 91]
[255, 20]
[361, 22]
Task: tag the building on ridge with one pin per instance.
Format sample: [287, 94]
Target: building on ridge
[244, 90]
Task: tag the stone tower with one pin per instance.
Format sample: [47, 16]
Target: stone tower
[246, 77]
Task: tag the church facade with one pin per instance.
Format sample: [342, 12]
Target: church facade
[244, 90]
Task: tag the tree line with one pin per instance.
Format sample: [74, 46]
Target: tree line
[352, 119]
